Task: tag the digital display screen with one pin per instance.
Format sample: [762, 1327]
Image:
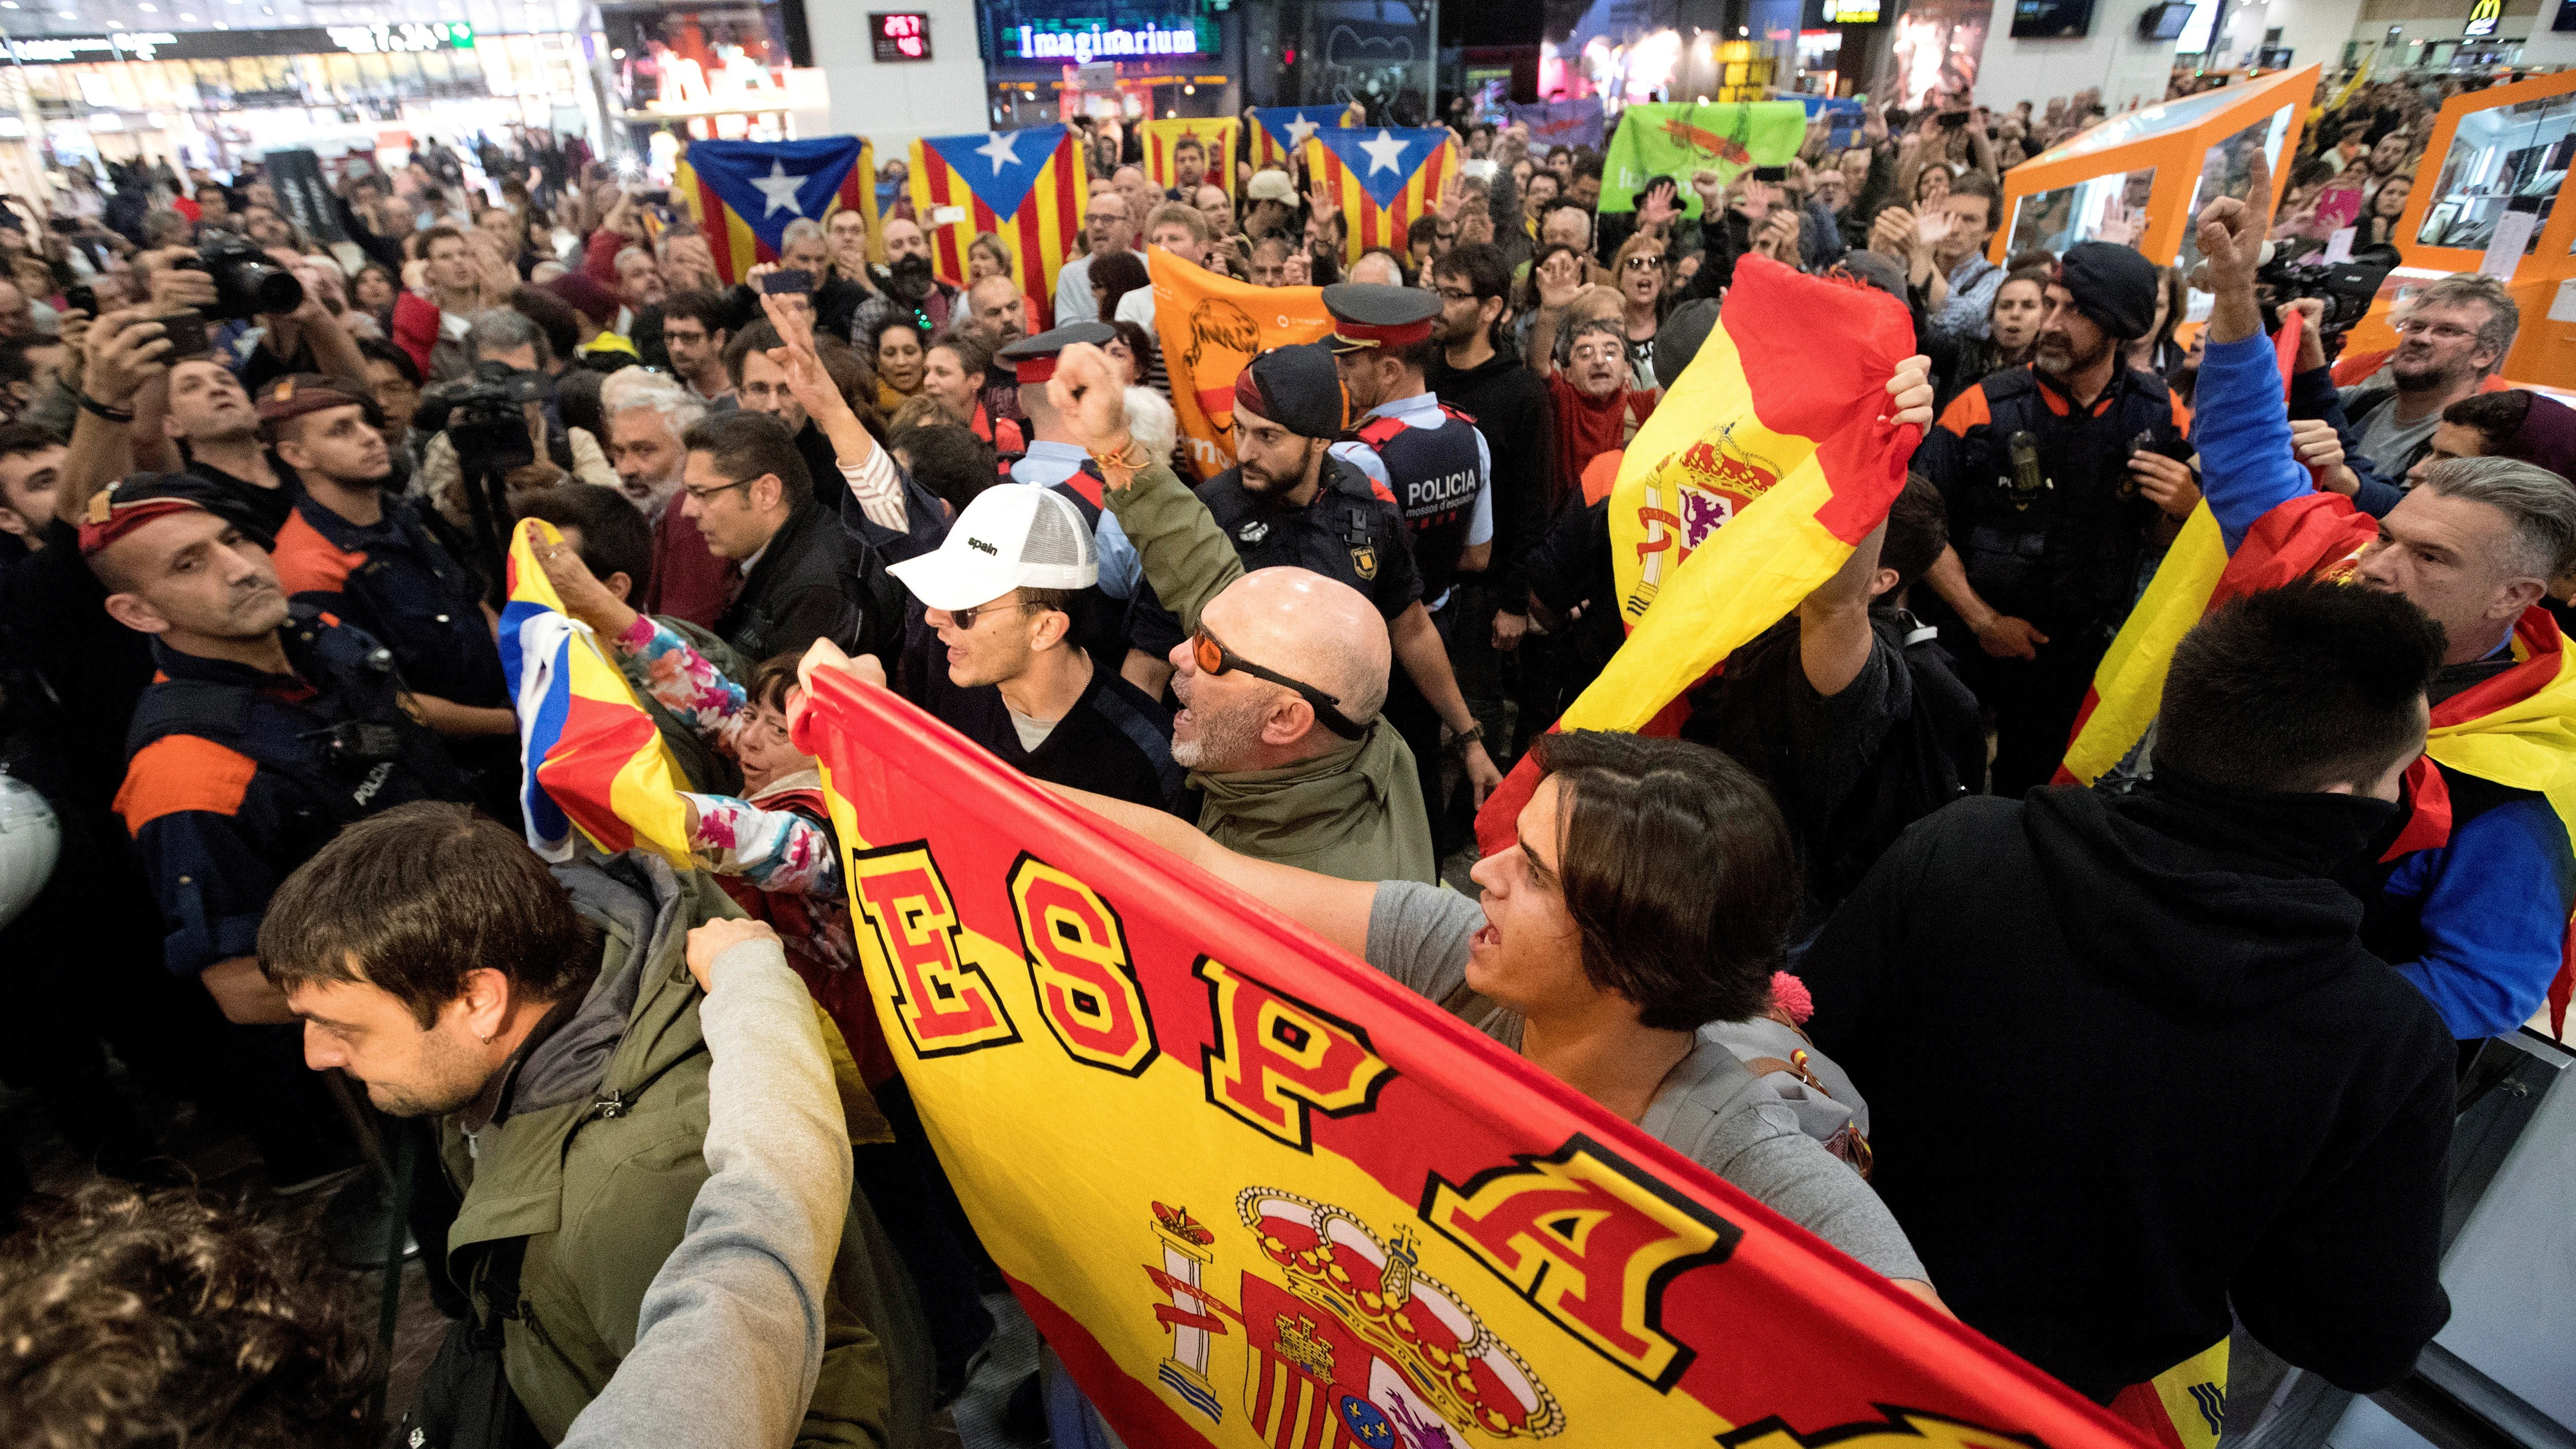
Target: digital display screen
[901, 35]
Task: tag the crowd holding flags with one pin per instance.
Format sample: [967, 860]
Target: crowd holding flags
[1382, 179]
[1216, 133]
[744, 193]
[1028, 187]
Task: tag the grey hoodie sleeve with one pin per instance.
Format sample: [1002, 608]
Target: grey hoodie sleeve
[730, 1340]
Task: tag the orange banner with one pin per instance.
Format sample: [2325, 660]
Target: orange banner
[1211, 326]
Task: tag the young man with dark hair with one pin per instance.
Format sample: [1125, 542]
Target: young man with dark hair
[1478, 373]
[547, 1020]
[2244, 1109]
[696, 333]
[1957, 283]
[1848, 710]
[752, 361]
[1648, 895]
[747, 490]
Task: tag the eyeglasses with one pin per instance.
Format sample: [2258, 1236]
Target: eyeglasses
[1641, 263]
[966, 617]
[704, 495]
[1449, 234]
[1456, 294]
[2438, 331]
[1214, 658]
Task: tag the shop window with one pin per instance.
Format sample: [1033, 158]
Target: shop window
[2509, 158]
[2228, 170]
[2059, 219]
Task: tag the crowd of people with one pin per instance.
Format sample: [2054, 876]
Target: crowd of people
[1824, 943]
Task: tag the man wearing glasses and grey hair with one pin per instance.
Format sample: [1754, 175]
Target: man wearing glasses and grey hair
[2453, 339]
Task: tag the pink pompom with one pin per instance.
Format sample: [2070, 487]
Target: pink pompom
[1790, 995]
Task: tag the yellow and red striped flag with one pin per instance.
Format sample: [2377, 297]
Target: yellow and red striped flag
[1747, 488]
[1028, 187]
[744, 193]
[1280, 132]
[1216, 133]
[1382, 179]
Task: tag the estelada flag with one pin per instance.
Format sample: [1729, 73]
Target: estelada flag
[1382, 179]
[1766, 462]
[1028, 187]
[590, 757]
[1216, 133]
[1210, 327]
[1257, 1195]
[744, 193]
[1279, 132]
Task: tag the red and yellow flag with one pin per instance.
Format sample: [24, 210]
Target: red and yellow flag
[743, 194]
[1258, 1196]
[1747, 488]
[1216, 133]
[1028, 187]
[1211, 326]
[1382, 179]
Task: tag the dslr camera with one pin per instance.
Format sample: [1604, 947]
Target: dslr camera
[2346, 288]
[247, 283]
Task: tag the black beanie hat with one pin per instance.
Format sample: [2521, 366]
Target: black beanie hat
[2113, 285]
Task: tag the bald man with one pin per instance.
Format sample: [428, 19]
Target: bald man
[1280, 673]
[1377, 267]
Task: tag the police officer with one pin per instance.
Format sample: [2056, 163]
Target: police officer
[267, 729]
[1291, 499]
[1432, 462]
[1055, 459]
[2060, 476]
[366, 556]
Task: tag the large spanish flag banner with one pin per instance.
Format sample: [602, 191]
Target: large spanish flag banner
[1215, 133]
[1256, 1195]
[1279, 132]
[591, 759]
[1382, 179]
[1210, 327]
[744, 193]
[1766, 462]
[1028, 187]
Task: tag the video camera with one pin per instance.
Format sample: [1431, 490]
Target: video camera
[484, 416]
[2346, 288]
[246, 282]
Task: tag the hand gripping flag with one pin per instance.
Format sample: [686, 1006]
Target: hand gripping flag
[590, 758]
[1382, 179]
[744, 193]
[1675, 139]
[1258, 1196]
[1216, 133]
[1027, 187]
[1280, 132]
[1763, 466]
[1211, 327]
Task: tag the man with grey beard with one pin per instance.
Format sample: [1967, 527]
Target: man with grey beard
[647, 413]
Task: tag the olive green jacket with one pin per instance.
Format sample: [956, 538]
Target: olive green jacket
[593, 1157]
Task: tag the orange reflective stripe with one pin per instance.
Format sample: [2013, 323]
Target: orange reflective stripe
[308, 563]
[1966, 411]
[183, 772]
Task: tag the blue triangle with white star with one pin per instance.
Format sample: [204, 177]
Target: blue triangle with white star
[1384, 158]
[771, 183]
[1288, 125]
[1000, 166]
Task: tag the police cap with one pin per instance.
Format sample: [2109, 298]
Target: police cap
[1032, 359]
[1371, 314]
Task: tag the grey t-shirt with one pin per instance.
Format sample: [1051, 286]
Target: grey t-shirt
[2390, 445]
[1709, 1108]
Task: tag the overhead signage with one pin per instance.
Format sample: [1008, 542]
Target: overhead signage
[1097, 42]
[400, 38]
[899, 35]
[2483, 16]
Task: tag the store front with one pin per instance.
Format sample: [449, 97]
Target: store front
[210, 97]
[739, 71]
[1047, 61]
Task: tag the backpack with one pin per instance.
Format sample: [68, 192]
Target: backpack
[465, 1400]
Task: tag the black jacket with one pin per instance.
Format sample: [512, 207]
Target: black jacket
[1510, 406]
[2129, 1064]
[813, 582]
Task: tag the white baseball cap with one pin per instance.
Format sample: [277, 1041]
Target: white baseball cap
[1012, 536]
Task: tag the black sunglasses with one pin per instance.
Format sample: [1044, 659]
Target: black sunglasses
[1214, 658]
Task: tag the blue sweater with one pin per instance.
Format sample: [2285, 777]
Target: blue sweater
[2486, 912]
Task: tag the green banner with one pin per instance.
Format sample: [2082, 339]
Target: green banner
[1675, 139]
